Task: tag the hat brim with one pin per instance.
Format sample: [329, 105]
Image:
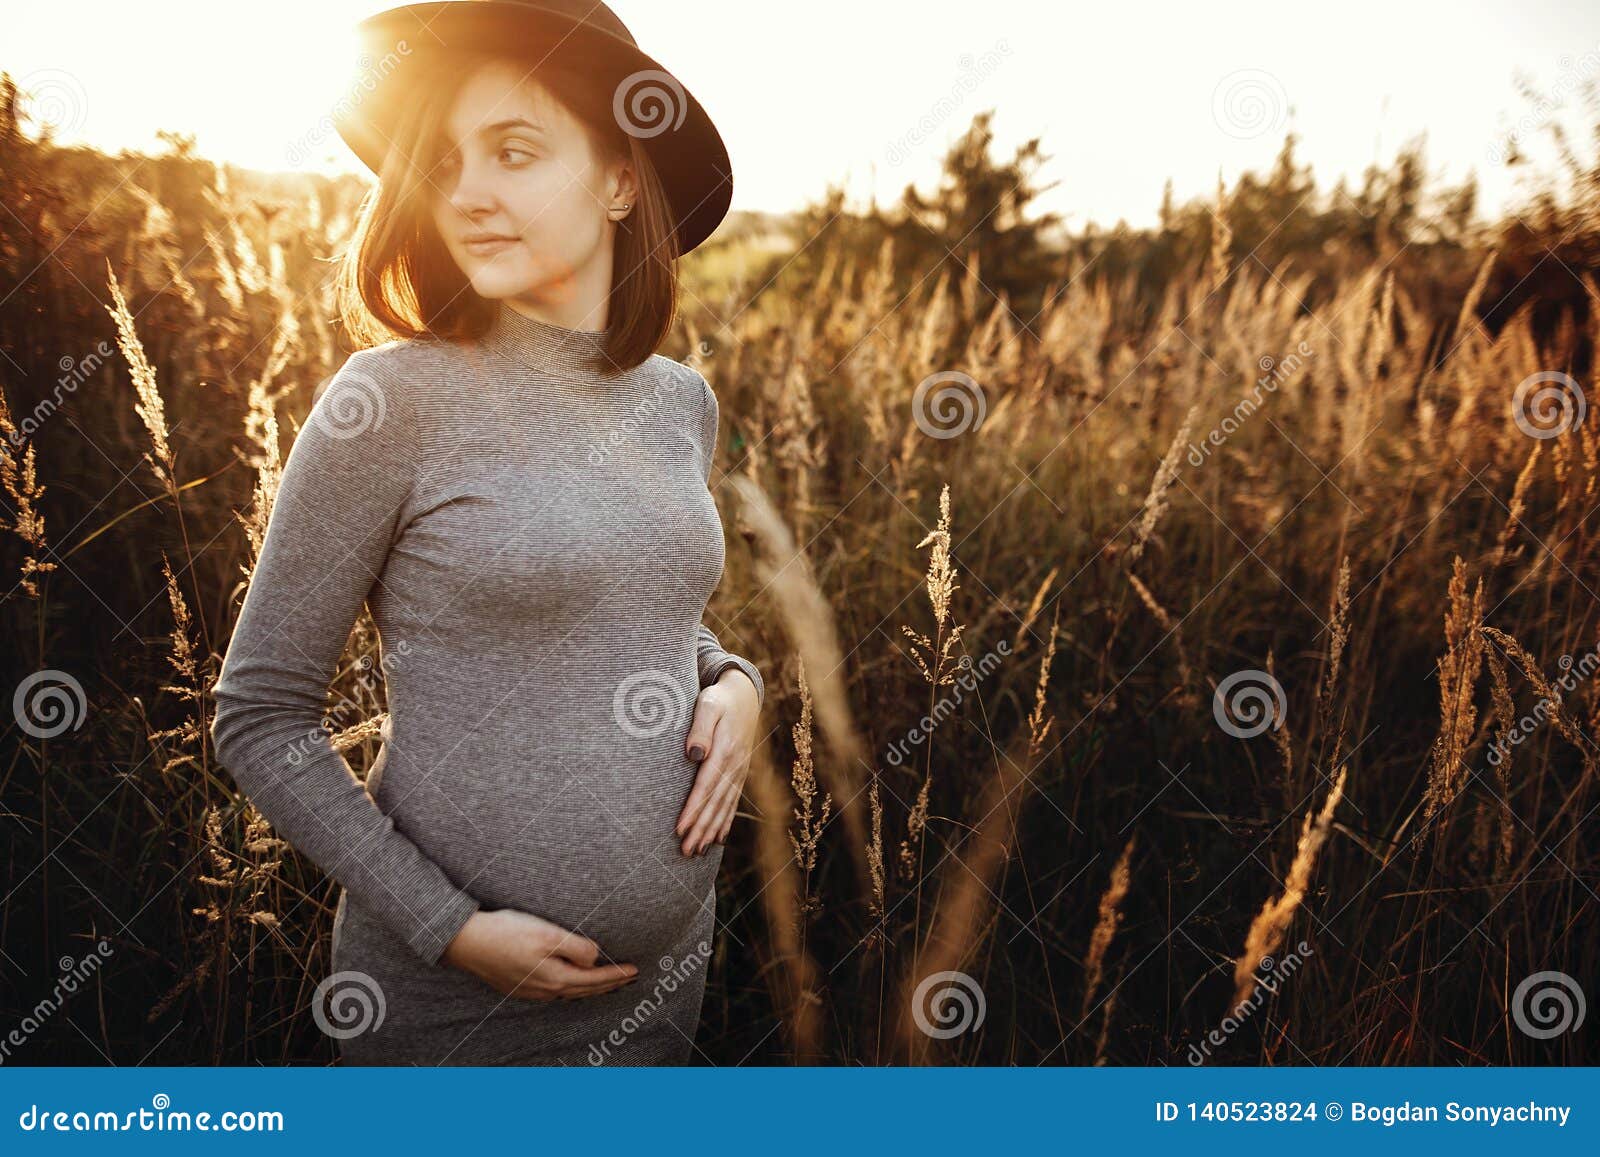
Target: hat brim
[687, 151]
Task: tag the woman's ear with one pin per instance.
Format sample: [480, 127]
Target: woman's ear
[624, 189]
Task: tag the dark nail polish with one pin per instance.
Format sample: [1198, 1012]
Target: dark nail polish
[697, 752]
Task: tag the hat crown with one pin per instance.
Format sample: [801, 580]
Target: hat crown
[588, 12]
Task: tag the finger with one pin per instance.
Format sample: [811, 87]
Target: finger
[698, 743]
[560, 974]
[712, 817]
[719, 833]
[706, 782]
[582, 992]
[568, 992]
[733, 813]
[577, 948]
[695, 831]
[605, 988]
[552, 972]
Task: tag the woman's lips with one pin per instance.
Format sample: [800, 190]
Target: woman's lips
[488, 248]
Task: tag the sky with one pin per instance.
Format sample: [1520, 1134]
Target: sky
[869, 95]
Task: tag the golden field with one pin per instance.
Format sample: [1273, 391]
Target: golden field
[1136, 607]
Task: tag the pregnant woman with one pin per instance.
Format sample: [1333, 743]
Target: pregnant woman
[518, 488]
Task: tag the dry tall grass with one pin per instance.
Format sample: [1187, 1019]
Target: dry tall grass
[918, 831]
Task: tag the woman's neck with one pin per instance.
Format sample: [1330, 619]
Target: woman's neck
[543, 346]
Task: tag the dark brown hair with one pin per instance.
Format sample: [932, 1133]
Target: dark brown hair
[397, 279]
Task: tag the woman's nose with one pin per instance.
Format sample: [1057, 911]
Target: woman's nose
[467, 194]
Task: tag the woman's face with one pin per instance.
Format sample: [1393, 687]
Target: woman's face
[520, 199]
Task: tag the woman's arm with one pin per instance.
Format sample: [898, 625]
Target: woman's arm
[338, 509]
[713, 660]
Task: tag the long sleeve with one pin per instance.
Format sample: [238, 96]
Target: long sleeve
[338, 509]
[713, 659]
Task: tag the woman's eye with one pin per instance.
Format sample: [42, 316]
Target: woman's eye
[512, 149]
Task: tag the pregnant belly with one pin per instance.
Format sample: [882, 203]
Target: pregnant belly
[584, 839]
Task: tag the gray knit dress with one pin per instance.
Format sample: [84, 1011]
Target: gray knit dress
[537, 542]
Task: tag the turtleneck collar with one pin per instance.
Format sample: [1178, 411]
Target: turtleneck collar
[539, 345]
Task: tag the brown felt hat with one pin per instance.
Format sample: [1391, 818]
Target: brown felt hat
[648, 101]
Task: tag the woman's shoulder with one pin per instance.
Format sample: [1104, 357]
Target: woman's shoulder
[414, 357]
[698, 399]
[682, 378]
[697, 406]
[407, 371]
[392, 392]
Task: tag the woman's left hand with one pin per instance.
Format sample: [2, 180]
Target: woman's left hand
[722, 736]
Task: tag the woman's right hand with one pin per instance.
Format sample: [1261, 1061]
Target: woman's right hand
[530, 958]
